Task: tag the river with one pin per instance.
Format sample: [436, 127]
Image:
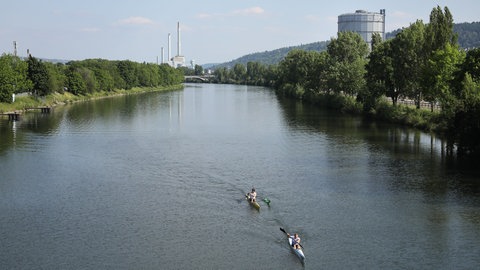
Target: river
[157, 181]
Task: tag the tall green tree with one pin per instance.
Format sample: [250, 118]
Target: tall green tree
[408, 61]
[75, 82]
[7, 79]
[221, 74]
[56, 77]
[255, 73]
[464, 127]
[379, 77]
[239, 73]
[13, 77]
[440, 51]
[38, 74]
[440, 72]
[300, 72]
[439, 31]
[347, 54]
[198, 70]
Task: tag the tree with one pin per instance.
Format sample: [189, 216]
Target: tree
[221, 74]
[465, 125]
[440, 54]
[347, 47]
[56, 77]
[239, 73]
[13, 77]
[440, 73]
[379, 77]
[292, 69]
[439, 32]
[347, 55]
[7, 79]
[75, 83]
[128, 72]
[38, 74]
[408, 61]
[198, 70]
[471, 64]
[255, 73]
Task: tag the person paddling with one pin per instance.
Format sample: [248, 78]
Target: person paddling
[295, 240]
[252, 195]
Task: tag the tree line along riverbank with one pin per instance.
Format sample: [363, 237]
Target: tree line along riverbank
[48, 83]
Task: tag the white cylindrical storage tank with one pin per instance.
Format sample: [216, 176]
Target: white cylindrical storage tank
[363, 22]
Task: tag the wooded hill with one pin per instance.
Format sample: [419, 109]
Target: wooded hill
[468, 37]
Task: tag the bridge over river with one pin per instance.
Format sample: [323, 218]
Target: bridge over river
[199, 78]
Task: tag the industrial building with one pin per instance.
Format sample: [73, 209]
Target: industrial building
[177, 60]
[363, 22]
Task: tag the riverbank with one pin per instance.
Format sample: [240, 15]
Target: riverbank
[24, 103]
[401, 114]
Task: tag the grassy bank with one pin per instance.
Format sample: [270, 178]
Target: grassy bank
[423, 119]
[23, 103]
[384, 110]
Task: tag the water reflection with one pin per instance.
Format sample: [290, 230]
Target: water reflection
[411, 159]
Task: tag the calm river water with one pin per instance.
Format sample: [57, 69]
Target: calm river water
[157, 181]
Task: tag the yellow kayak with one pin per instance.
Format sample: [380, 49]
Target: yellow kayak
[254, 204]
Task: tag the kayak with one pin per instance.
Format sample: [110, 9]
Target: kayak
[254, 204]
[299, 251]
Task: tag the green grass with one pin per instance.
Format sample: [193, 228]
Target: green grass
[406, 115]
[384, 110]
[25, 102]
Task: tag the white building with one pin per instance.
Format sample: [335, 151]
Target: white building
[179, 59]
[363, 22]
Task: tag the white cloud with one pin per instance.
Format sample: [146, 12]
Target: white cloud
[136, 20]
[249, 11]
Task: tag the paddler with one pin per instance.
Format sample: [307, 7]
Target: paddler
[295, 240]
[252, 195]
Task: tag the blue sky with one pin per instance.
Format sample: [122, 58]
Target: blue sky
[212, 31]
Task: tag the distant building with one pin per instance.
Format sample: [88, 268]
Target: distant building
[363, 22]
[179, 59]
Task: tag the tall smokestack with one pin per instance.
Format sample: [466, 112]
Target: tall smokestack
[178, 41]
[163, 56]
[169, 57]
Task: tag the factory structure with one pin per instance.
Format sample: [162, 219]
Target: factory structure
[363, 22]
[178, 60]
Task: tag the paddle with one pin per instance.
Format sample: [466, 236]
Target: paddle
[267, 201]
[281, 229]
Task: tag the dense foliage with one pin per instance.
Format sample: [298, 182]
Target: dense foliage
[80, 77]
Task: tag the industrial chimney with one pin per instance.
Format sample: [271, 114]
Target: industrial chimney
[179, 59]
[169, 56]
[178, 40]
